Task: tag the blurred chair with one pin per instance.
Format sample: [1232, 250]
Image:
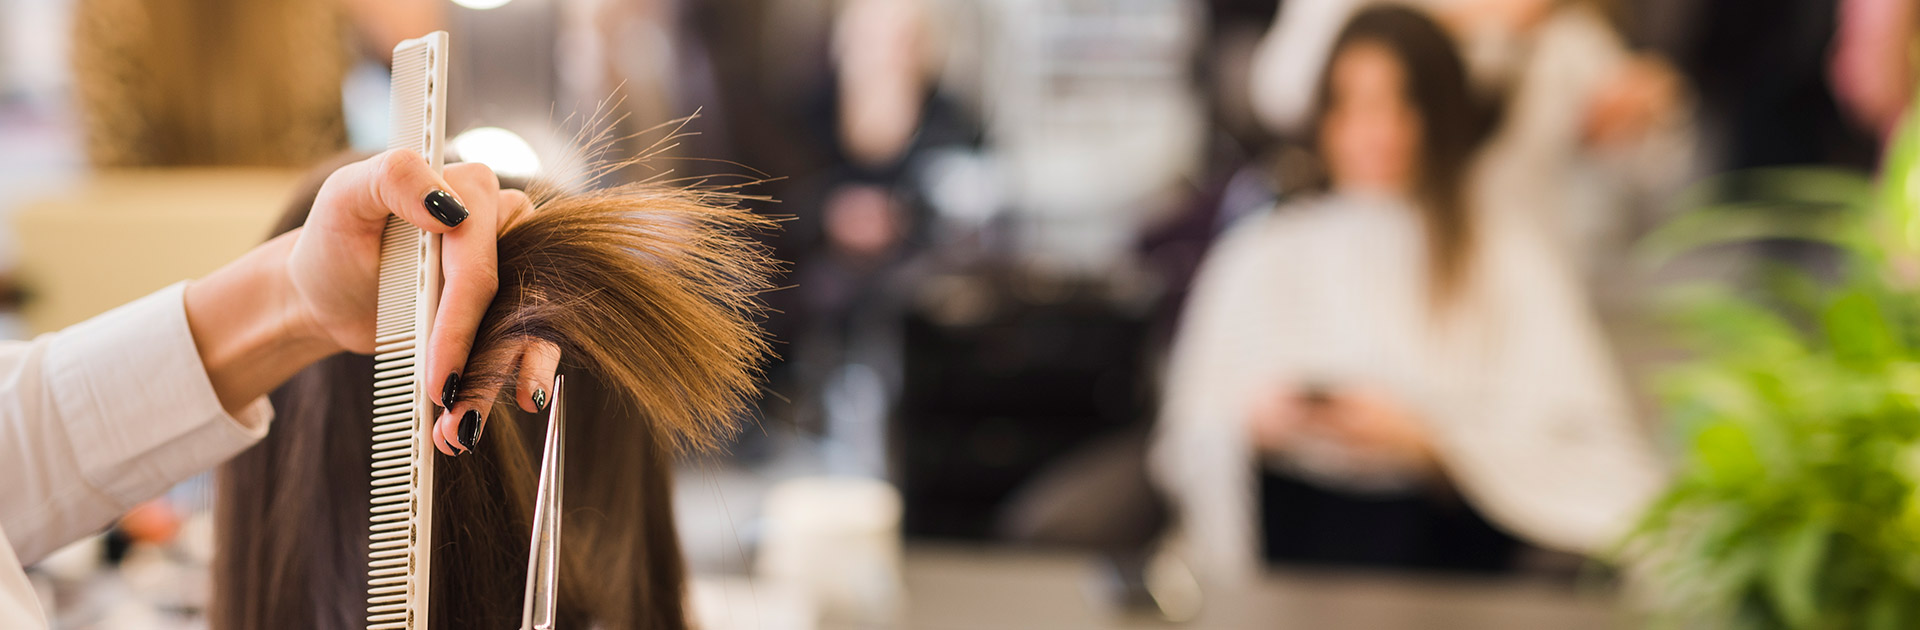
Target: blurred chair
[1098, 497]
[1004, 374]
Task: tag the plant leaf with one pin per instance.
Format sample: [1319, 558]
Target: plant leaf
[1793, 573]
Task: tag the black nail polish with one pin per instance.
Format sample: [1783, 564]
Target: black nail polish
[451, 390]
[539, 399]
[470, 429]
[445, 208]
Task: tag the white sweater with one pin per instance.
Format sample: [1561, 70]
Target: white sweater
[1529, 417]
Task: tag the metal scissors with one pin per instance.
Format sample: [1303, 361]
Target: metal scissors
[543, 555]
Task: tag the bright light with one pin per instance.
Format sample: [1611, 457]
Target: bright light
[481, 5]
[499, 149]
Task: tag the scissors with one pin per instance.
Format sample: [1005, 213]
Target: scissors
[544, 553]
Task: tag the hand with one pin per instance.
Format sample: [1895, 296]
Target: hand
[1471, 18]
[310, 293]
[1370, 421]
[1276, 418]
[1636, 99]
[1357, 419]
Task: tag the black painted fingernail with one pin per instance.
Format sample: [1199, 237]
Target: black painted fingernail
[470, 429]
[539, 399]
[451, 390]
[445, 208]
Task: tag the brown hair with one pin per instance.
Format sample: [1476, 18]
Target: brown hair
[650, 292]
[1452, 128]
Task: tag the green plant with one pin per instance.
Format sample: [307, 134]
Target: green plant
[1798, 505]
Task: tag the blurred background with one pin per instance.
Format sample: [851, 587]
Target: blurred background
[1099, 313]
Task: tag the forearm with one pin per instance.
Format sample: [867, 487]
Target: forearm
[248, 327]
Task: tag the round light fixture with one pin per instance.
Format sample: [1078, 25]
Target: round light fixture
[501, 150]
[481, 5]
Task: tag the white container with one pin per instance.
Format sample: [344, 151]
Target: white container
[836, 539]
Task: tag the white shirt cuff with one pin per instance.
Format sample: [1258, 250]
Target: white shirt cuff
[139, 408]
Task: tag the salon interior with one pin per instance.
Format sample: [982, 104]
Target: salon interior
[1099, 314]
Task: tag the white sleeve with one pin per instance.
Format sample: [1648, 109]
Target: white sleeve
[1200, 456]
[1288, 62]
[103, 415]
[1546, 444]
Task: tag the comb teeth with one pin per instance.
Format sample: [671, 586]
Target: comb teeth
[411, 101]
[401, 498]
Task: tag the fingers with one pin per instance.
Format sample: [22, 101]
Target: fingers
[444, 432]
[458, 431]
[534, 389]
[397, 182]
[513, 204]
[468, 265]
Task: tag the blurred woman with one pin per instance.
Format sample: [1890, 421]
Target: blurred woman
[1595, 134]
[1363, 374]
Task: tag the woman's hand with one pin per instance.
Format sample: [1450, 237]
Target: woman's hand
[1357, 419]
[1373, 422]
[1277, 418]
[1638, 98]
[310, 293]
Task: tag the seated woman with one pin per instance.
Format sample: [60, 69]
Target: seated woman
[1362, 375]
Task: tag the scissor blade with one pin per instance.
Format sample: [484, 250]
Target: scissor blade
[544, 550]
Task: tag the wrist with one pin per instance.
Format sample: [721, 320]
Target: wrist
[250, 327]
[295, 321]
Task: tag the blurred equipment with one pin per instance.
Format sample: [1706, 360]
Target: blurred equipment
[1091, 106]
[1005, 373]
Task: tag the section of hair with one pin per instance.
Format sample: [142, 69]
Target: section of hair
[291, 514]
[654, 288]
[650, 290]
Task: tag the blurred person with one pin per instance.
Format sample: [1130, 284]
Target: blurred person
[1764, 74]
[1873, 64]
[1594, 134]
[1385, 375]
[867, 211]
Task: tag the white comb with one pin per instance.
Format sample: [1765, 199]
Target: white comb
[402, 501]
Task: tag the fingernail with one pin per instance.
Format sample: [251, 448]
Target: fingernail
[470, 429]
[451, 390]
[445, 208]
[539, 399]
